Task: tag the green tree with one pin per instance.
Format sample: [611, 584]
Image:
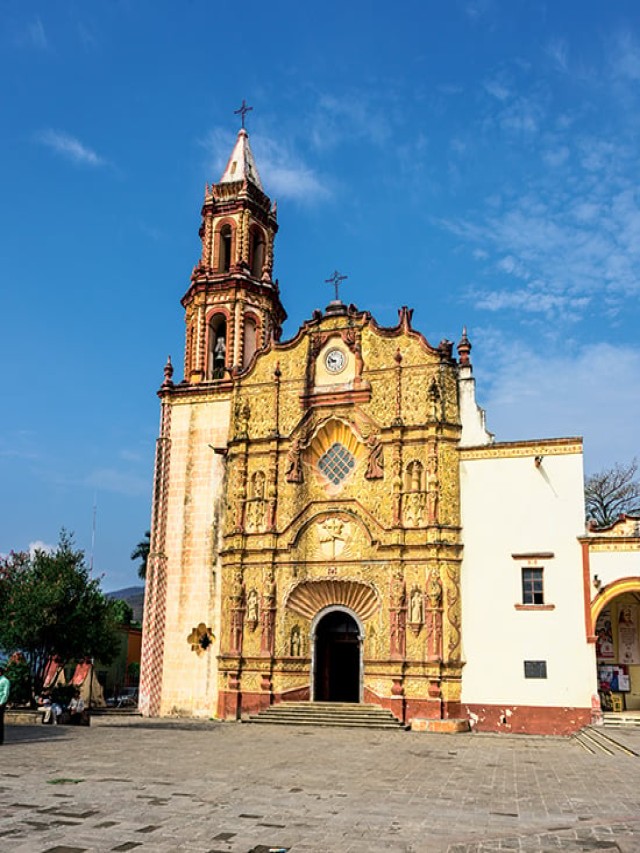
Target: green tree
[122, 611]
[141, 552]
[51, 608]
[612, 492]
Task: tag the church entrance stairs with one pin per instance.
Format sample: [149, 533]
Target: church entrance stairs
[622, 720]
[325, 714]
[595, 740]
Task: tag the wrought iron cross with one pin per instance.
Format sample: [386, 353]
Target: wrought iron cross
[244, 109]
[335, 280]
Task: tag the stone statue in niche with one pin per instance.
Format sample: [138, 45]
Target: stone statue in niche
[243, 414]
[256, 517]
[296, 643]
[236, 588]
[434, 590]
[293, 472]
[252, 607]
[414, 506]
[416, 615]
[375, 463]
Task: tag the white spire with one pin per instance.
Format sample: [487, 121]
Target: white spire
[241, 164]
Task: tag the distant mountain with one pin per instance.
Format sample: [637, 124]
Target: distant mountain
[134, 596]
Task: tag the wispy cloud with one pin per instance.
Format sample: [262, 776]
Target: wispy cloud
[282, 169]
[351, 116]
[33, 35]
[558, 51]
[528, 394]
[571, 235]
[497, 89]
[625, 56]
[70, 147]
[477, 9]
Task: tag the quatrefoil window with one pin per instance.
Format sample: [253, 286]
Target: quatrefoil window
[336, 463]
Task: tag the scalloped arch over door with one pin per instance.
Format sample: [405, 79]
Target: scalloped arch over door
[310, 596]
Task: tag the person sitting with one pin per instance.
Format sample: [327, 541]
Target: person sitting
[50, 710]
[76, 709]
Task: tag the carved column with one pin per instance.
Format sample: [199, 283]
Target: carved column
[268, 614]
[397, 616]
[434, 617]
[207, 240]
[236, 610]
[433, 483]
[151, 670]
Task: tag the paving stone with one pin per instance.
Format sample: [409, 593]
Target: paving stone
[212, 788]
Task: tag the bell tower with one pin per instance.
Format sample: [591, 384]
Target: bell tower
[232, 306]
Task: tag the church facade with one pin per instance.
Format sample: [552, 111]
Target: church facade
[332, 521]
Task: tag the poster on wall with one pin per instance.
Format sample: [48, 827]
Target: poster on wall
[604, 636]
[628, 647]
[614, 679]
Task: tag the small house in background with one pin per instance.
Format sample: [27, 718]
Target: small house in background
[124, 671]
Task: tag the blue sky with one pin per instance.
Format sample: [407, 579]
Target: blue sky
[477, 160]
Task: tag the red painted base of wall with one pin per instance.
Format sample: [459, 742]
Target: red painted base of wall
[300, 694]
[253, 703]
[229, 705]
[526, 719]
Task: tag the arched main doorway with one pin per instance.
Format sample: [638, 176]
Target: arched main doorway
[337, 657]
[616, 621]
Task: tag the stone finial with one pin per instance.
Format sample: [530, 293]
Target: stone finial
[464, 348]
[445, 348]
[404, 316]
[168, 373]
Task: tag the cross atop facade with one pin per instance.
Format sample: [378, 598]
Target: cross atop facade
[244, 109]
[335, 280]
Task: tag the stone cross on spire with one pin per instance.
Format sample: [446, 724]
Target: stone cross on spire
[335, 280]
[244, 109]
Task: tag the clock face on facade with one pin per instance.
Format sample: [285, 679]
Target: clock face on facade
[335, 360]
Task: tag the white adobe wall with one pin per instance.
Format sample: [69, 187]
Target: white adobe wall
[510, 506]
[472, 416]
[189, 683]
[613, 565]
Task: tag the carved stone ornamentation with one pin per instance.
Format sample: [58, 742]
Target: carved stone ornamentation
[252, 614]
[200, 638]
[416, 610]
[295, 645]
[397, 616]
[434, 617]
[375, 462]
[293, 471]
[268, 615]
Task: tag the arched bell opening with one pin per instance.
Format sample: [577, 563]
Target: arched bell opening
[217, 357]
[337, 668]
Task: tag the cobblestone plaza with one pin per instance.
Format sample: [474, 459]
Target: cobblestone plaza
[206, 787]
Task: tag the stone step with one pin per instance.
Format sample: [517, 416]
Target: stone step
[344, 714]
[612, 720]
[310, 708]
[596, 741]
[337, 723]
